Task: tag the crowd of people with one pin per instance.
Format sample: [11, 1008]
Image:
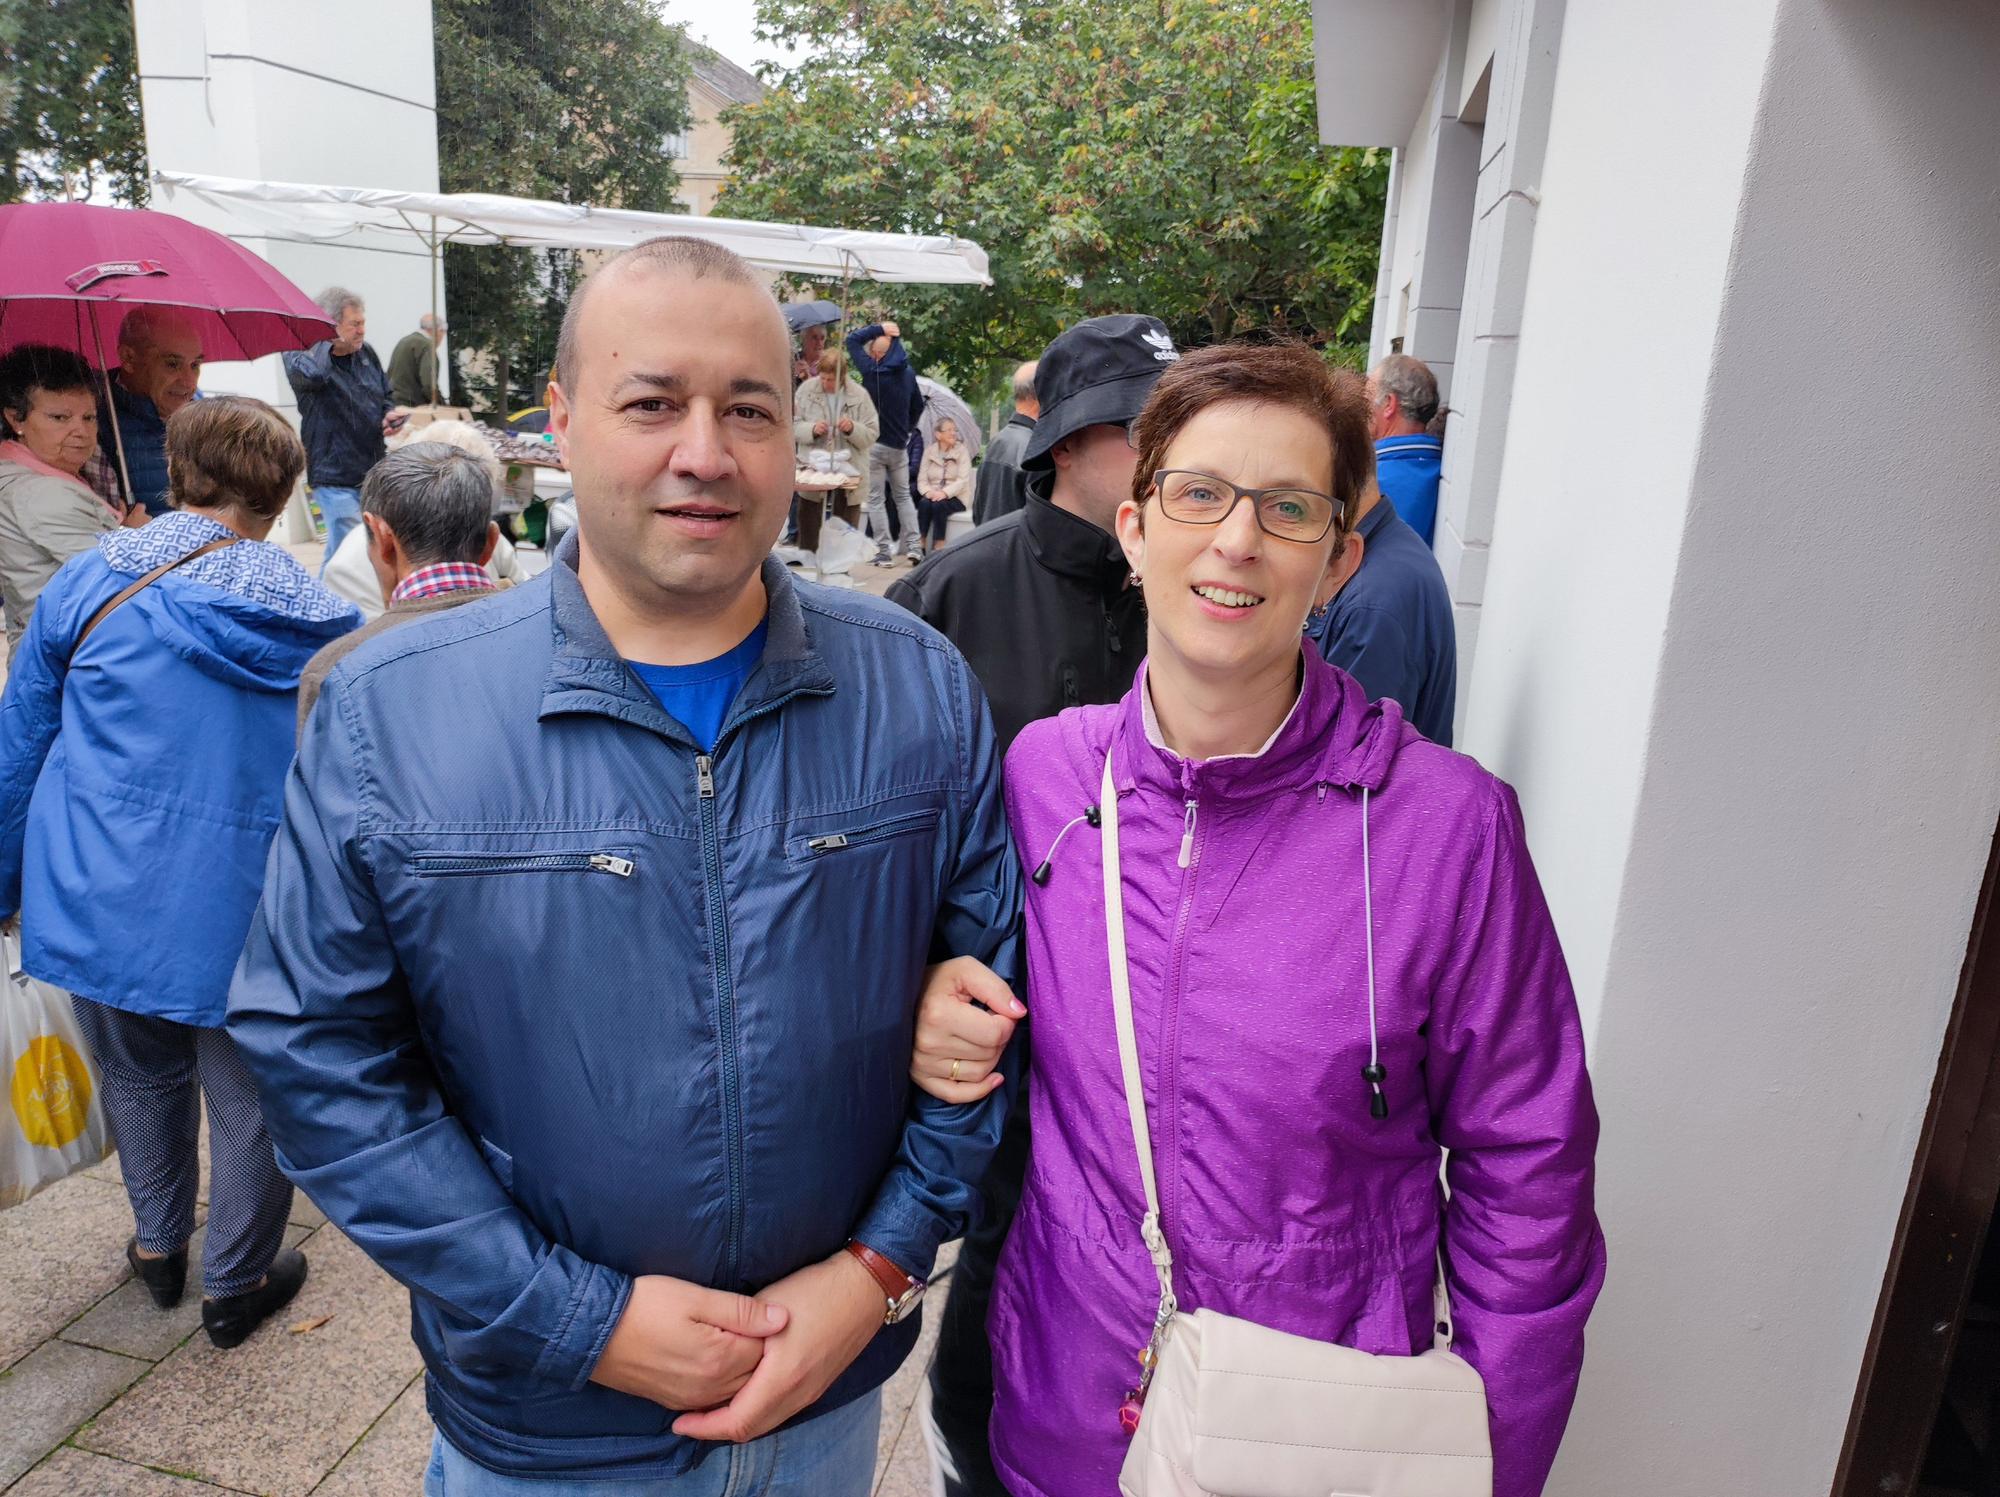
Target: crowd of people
[637, 963]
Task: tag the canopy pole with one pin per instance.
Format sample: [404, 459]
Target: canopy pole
[111, 405]
[434, 309]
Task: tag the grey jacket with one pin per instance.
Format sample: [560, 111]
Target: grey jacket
[1003, 487]
[44, 521]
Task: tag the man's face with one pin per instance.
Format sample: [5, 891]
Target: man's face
[878, 349]
[1094, 465]
[352, 328]
[165, 369]
[677, 434]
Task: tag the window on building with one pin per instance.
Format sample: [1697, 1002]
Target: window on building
[678, 147]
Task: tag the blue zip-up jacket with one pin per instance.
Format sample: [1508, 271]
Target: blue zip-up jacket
[891, 383]
[143, 430]
[626, 1008]
[1406, 470]
[141, 780]
[341, 405]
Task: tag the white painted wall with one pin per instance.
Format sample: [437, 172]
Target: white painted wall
[298, 91]
[1519, 42]
[1738, 657]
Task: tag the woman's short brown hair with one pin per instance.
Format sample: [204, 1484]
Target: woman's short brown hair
[1285, 373]
[232, 450]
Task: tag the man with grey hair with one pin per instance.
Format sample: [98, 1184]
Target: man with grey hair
[344, 411]
[564, 1049]
[1407, 457]
[413, 363]
[428, 511]
[1003, 483]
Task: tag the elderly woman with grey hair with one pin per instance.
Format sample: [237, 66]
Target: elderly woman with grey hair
[428, 508]
[345, 410]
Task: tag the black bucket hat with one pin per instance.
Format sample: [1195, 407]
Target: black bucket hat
[1097, 373]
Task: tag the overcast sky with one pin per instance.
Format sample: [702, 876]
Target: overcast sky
[727, 26]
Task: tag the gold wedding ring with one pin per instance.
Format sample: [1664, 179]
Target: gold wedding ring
[954, 1069]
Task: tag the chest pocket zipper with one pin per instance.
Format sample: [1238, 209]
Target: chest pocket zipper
[881, 831]
[455, 864]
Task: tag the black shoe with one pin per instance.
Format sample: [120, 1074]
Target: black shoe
[164, 1278]
[231, 1319]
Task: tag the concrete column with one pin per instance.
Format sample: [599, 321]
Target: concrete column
[1527, 36]
[1737, 658]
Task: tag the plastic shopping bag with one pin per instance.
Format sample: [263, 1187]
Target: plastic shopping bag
[841, 546]
[53, 1124]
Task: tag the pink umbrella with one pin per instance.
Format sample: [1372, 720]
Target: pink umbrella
[69, 272]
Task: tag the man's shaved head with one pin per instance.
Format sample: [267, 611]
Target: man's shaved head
[697, 258]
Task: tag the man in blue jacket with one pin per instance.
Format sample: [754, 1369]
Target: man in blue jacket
[344, 410]
[879, 357]
[1408, 459]
[606, 1058]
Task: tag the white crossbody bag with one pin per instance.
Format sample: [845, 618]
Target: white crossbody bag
[1229, 1408]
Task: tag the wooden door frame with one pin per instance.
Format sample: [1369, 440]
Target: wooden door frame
[1954, 1185]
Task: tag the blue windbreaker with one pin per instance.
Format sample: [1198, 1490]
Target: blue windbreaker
[542, 997]
[141, 781]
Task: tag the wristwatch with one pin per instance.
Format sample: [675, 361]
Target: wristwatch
[900, 1290]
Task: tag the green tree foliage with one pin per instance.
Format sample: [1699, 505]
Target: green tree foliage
[69, 101]
[572, 102]
[1158, 156]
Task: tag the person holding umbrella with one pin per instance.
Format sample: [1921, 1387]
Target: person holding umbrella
[345, 411]
[159, 369]
[48, 412]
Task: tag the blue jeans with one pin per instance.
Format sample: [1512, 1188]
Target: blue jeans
[341, 509]
[831, 1456]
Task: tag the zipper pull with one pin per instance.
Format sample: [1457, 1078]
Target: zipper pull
[604, 862]
[1187, 836]
[705, 773]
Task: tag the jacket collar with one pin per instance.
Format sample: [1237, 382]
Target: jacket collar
[1063, 543]
[1332, 736]
[588, 675]
[1417, 443]
[1026, 422]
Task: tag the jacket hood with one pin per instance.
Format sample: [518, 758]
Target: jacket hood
[248, 615]
[1333, 736]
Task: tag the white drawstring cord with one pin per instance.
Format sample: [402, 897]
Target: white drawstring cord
[1041, 874]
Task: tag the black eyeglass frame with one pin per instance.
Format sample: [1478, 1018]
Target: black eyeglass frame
[1256, 496]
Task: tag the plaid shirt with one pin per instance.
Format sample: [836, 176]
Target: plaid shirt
[440, 578]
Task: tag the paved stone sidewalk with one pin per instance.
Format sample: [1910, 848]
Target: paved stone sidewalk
[102, 1395]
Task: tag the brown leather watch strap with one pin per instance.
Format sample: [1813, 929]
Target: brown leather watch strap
[895, 1283]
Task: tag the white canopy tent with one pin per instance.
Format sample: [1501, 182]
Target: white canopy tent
[356, 215]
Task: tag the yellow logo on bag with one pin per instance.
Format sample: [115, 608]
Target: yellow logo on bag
[51, 1092]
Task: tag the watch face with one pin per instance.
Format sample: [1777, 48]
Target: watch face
[901, 1306]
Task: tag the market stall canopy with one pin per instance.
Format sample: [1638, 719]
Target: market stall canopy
[358, 215]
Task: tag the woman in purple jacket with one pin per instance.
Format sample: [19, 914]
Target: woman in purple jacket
[1298, 1130]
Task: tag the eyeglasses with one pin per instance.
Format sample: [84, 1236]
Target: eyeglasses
[1303, 515]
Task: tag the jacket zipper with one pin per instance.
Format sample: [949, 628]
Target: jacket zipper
[898, 826]
[1170, 1047]
[725, 1005]
[446, 865]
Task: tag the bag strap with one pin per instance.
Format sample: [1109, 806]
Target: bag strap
[1128, 1060]
[1135, 1095]
[126, 594]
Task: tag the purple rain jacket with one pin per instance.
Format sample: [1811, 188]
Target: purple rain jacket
[1284, 1200]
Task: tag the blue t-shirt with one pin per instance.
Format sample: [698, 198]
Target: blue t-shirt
[698, 696]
